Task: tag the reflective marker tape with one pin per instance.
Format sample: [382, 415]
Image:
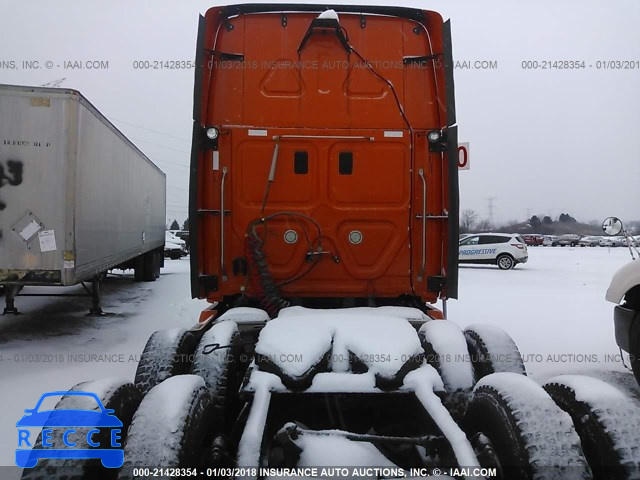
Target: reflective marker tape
[257, 133]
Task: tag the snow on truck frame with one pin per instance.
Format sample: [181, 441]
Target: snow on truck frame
[323, 215]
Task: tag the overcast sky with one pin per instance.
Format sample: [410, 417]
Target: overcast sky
[542, 141]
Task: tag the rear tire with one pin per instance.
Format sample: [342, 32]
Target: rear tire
[219, 368]
[531, 436]
[138, 268]
[149, 267]
[119, 395]
[505, 262]
[170, 434]
[607, 421]
[445, 349]
[167, 353]
[492, 350]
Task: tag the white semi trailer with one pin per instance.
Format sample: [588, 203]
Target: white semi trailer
[77, 198]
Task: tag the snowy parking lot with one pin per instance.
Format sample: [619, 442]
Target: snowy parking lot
[553, 306]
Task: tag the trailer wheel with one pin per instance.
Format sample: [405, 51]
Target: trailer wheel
[492, 350]
[172, 433]
[607, 421]
[119, 395]
[149, 267]
[159, 263]
[138, 268]
[515, 425]
[167, 353]
[445, 349]
[215, 360]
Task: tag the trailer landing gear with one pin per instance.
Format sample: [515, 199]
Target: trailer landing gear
[10, 300]
[96, 309]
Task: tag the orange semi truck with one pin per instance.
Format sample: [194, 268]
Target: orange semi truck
[328, 147]
[324, 221]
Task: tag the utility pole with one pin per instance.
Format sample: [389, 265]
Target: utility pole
[490, 207]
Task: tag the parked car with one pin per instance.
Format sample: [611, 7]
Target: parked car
[550, 241]
[182, 235]
[589, 241]
[503, 249]
[174, 247]
[533, 239]
[568, 239]
[612, 242]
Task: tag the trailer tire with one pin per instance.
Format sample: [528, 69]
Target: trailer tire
[138, 268]
[219, 368]
[170, 434]
[149, 267]
[607, 421]
[159, 263]
[527, 432]
[492, 350]
[119, 395]
[167, 353]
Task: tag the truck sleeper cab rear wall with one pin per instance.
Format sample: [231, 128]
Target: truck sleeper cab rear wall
[334, 129]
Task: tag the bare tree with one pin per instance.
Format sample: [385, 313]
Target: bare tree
[484, 225]
[468, 219]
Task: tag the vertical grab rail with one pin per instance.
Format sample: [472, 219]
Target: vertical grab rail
[424, 223]
[222, 270]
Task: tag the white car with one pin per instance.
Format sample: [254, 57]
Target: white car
[613, 242]
[503, 249]
[174, 247]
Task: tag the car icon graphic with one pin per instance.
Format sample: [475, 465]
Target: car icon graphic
[68, 420]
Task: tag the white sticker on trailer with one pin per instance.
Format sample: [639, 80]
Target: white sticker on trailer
[30, 230]
[47, 241]
[69, 264]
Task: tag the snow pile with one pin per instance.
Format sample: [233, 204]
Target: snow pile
[424, 381]
[329, 448]
[537, 415]
[329, 15]
[300, 338]
[251, 441]
[407, 313]
[245, 315]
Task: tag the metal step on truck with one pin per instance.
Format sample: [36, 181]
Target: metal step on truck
[323, 228]
[77, 198]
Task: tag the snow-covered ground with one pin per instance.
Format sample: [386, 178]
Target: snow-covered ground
[553, 307]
